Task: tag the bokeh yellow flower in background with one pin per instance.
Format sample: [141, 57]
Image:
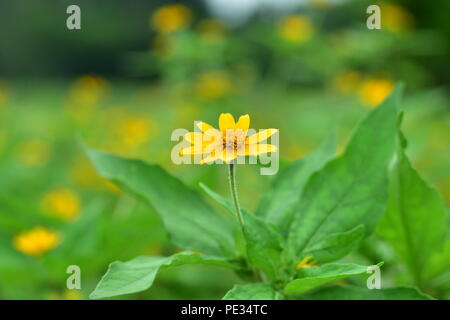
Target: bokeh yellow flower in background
[133, 131]
[374, 90]
[88, 90]
[396, 18]
[4, 94]
[33, 152]
[211, 31]
[320, 4]
[67, 295]
[170, 18]
[62, 203]
[346, 81]
[36, 241]
[296, 28]
[212, 85]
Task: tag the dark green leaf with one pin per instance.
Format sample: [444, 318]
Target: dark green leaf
[191, 223]
[349, 190]
[416, 220]
[138, 274]
[254, 291]
[312, 277]
[264, 243]
[335, 246]
[277, 205]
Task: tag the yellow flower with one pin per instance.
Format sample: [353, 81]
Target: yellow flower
[33, 152]
[306, 263]
[134, 131]
[373, 91]
[211, 30]
[396, 18]
[346, 81]
[296, 28]
[229, 142]
[62, 203]
[36, 242]
[212, 85]
[171, 18]
[87, 90]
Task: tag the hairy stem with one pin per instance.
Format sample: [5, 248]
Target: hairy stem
[234, 195]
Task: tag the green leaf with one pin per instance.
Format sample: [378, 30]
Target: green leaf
[277, 205]
[312, 277]
[253, 291]
[335, 246]
[264, 243]
[416, 220]
[191, 223]
[349, 190]
[356, 293]
[138, 274]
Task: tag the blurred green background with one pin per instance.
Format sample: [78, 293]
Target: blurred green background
[137, 71]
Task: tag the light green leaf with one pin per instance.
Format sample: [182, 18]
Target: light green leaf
[335, 246]
[349, 190]
[313, 277]
[191, 223]
[416, 220]
[254, 291]
[138, 274]
[356, 293]
[277, 205]
[264, 243]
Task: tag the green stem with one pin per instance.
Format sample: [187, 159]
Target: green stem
[234, 195]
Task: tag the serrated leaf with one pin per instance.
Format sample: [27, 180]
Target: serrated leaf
[278, 203]
[349, 190]
[191, 223]
[335, 246]
[253, 291]
[312, 277]
[357, 293]
[416, 220]
[138, 274]
[264, 243]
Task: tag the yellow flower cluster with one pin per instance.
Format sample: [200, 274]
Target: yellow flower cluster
[371, 90]
[396, 18]
[133, 132]
[296, 28]
[170, 18]
[62, 203]
[36, 241]
[211, 30]
[212, 85]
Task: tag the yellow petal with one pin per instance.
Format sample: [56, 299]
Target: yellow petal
[257, 149]
[203, 126]
[243, 123]
[226, 121]
[261, 136]
[192, 150]
[208, 159]
[194, 137]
